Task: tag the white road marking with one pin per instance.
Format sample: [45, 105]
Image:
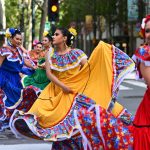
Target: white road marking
[121, 87]
[136, 83]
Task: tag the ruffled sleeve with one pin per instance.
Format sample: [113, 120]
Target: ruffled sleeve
[122, 65]
[142, 54]
[4, 51]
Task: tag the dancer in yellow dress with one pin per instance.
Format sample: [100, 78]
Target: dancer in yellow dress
[75, 83]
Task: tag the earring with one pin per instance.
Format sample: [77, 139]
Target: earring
[65, 44]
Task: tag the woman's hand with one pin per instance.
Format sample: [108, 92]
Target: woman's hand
[23, 49]
[35, 67]
[42, 66]
[67, 90]
[29, 64]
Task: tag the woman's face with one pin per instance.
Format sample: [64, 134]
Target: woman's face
[16, 40]
[38, 47]
[46, 42]
[58, 38]
[147, 32]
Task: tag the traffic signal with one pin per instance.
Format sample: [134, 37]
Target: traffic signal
[53, 10]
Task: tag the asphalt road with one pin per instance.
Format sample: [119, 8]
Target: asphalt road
[131, 97]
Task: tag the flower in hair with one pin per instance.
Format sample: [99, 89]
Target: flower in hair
[142, 31]
[45, 33]
[10, 32]
[143, 23]
[73, 31]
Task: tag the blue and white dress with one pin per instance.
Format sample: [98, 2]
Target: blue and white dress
[12, 94]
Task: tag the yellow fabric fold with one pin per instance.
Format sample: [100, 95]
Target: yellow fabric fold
[94, 80]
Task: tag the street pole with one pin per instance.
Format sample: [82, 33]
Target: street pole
[94, 23]
[43, 18]
[131, 39]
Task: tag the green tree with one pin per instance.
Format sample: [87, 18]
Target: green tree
[12, 13]
[114, 11]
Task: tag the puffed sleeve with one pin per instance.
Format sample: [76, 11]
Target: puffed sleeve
[142, 54]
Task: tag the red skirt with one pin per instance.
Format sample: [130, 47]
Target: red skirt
[141, 129]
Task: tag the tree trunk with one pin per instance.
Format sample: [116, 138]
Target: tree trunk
[2, 15]
[43, 19]
[30, 26]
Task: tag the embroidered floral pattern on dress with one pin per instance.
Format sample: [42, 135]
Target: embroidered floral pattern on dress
[66, 61]
[101, 130]
[122, 66]
[68, 127]
[142, 54]
[63, 130]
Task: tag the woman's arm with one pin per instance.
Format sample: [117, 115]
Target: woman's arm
[29, 64]
[53, 78]
[83, 62]
[145, 71]
[1, 59]
[23, 49]
[27, 61]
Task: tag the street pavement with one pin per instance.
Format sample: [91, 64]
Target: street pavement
[130, 95]
[26, 147]
[8, 141]
[131, 92]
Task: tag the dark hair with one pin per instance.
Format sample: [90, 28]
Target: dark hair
[49, 37]
[70, 37]
[38, 43]
[16, 31]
